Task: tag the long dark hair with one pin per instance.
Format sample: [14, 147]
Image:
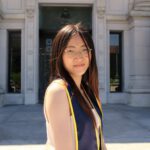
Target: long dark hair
[90, 78]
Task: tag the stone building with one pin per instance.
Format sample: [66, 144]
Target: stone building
[120, 30]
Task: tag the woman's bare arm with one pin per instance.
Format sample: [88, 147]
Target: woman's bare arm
[58, 115]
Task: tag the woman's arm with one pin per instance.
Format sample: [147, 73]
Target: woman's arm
[58, 115]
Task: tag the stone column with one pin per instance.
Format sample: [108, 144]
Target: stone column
[1, 15]
[139, 79]
[3, 64]
[99, 29]
[1, 97]
[31, 96]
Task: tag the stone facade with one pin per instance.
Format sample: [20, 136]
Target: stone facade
[132, 17]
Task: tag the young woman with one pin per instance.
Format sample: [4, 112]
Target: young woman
[72, 106]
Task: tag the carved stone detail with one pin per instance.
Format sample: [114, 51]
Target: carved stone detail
[100, 12]
[100, 8]
[142, 5]
[139, 8]
[131, 5]
[30, 12]
[139, 5]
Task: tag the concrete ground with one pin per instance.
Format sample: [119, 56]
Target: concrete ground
[125, 128]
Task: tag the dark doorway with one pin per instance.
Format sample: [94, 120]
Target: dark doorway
[51, 19]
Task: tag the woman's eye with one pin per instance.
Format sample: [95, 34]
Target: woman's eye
[84, 50]
[70, 51]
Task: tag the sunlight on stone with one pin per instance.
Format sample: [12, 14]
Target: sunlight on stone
[128, 146]
[22, 147]
[110, 146]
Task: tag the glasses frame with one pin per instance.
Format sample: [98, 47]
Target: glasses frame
[73, 53]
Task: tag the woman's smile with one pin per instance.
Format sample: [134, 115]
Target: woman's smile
[79, 65]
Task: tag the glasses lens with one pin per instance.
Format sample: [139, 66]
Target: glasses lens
[72, 53]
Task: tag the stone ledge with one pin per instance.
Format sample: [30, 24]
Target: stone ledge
[13, 16]
[138, 13]
[139, 99]
[140, 91]
[117, 17]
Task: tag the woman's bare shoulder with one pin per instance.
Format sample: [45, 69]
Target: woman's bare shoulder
[60, 82]
[55, 99]
[56, 91]
[56, 86]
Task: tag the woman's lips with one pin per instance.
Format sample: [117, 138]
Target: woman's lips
[79, 65]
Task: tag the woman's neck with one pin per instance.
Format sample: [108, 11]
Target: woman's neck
[77, 81]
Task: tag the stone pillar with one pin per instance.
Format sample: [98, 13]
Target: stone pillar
[31, 94]
[1, 97]
[139, 78]
[3, 64]
[99, 29]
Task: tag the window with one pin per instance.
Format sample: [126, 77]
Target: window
[115, 62]
[14, 61]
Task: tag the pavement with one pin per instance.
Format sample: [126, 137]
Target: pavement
[22, 127]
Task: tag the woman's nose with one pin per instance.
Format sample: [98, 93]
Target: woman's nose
[78, 54]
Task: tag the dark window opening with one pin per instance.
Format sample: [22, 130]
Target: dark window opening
[115, 62]
[14, 61]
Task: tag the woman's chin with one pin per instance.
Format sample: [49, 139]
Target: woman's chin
[78, 73]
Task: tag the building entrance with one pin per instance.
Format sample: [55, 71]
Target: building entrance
[51, 19]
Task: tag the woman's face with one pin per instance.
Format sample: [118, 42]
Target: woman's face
[76, 57]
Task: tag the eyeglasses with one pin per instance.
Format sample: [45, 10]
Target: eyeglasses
[74, 53]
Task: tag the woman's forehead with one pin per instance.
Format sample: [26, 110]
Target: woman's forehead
[73, 46]
[75, 40]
